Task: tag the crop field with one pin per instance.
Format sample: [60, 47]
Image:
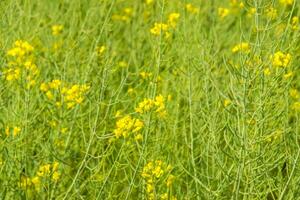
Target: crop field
[149, 99]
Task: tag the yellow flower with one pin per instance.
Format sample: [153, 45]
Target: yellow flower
[190, 8]
[118, 113]
[20, 49]
[288, 75]
[138, 137]
[286, 2]
[227, 102]
[251, 12]
[170, 180]
[128, 125]
[145, 106]
[44, 170]
[57, 29]
[123, 64]
[55, 165]
[296, 106]
[236, 3]
[16, 131]
[55, 84]
[272, 13]
[63, 130]
[20, 63]
[173, 19]
[158, 104]
[148, 2]
[101, 50]
[55, 176]
[36, 182]
[159, 28]
[267, 71]
[25, 182]
[7, 131]
[242, 47]
[130, 91]
[145, 75]
[294, 93]
[295, 23]
[280, 59]
[49, 95]
[128, 11]
[12, 74]
[223, 12]
[154, 171]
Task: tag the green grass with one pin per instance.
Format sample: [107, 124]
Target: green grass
[231, 126]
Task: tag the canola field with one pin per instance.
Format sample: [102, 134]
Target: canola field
[149, 99]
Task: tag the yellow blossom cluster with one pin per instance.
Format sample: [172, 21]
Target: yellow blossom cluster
[100, 50]
[45, 172]
[295, 23]
[192, 9]
[251, 12]
[145, 75]
[157, 104]
[127, 126]
[226, 102]
[70, 96]
[235, 7]
[123, 64]
[294, 93]
[57, 29]
[236, 3]
[279, 59]
[125, 15]
[286, 2]
[223, 12]
[242, 47]
[14, 131]
[159, 28]
[21, 63]
[153, 173]
[164, 28]
[272, 13]
[148, 2]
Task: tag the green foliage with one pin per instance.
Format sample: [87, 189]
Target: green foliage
[162, 99]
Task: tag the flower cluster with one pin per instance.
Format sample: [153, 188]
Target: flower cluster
[145, 75]
[14, 131]
[223, 12]
[192, 9]
[286, 2]
[21, 63]
[272, 13]
[235, 7]
[294, 93]
[153, 173]
[148, 2]
[157, 104]
[100, 50]
[71, 96]
[45, 172]
[127, 126]
[295, 23]
[227, 102]
[57, 29]
[164, 28]
[280, 59]
[125, 15]
[242, 47]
